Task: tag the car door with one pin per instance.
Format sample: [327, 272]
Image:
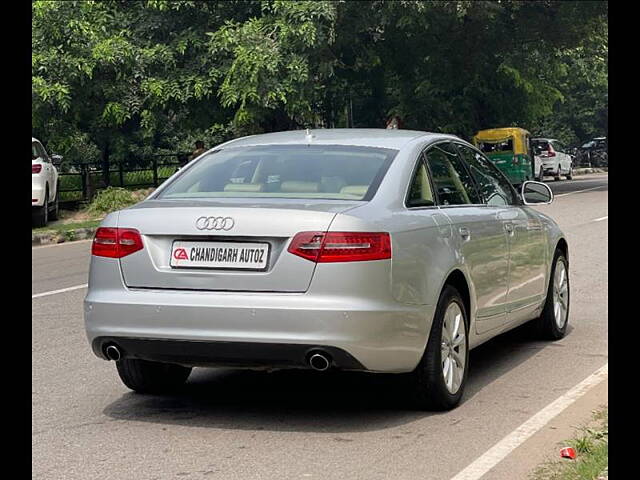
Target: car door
[478, 238]
[525, 238]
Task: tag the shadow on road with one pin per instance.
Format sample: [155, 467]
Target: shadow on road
[298, 400]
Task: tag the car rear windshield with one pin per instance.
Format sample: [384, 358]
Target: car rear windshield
[540, 146]
[286, 171]
[496, 146]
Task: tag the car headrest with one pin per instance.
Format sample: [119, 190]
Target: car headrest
[359, 190]
[244, 187]
[299, 187]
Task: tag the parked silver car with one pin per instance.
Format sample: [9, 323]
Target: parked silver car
[375, 250]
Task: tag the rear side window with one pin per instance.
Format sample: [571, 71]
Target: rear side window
[37, 151]
[494, 187]
[420, 193]
[285, 171]
[453, 183]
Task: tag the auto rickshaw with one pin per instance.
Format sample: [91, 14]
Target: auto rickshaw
[510, 150]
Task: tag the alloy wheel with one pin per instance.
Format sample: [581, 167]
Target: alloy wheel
[560, 294]
[453, 347]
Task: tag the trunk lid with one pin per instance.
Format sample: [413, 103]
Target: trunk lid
[273, 222]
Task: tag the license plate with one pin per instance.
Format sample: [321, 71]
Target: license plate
[224, 255]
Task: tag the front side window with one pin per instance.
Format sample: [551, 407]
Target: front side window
[451, 180]
[494, 187]
[331, 172]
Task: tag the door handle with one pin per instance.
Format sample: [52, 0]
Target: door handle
[464, 233]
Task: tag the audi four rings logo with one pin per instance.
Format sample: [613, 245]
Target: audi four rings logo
[215, 223]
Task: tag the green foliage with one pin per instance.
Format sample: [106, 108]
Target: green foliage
[112, 199]
[117, 80]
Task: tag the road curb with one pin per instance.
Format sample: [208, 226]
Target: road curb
[46, 238]
[588, 170]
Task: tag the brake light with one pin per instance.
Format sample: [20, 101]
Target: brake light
[116, 242]
[330, 247]
[37, 168]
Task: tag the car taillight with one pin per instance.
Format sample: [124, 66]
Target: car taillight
[37, 168]
[116, 242]
[329, 247]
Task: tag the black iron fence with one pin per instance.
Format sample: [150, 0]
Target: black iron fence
[79, 183]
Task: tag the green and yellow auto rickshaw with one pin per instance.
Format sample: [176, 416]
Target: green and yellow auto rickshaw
[510, 150]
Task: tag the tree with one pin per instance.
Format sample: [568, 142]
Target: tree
[129, 78]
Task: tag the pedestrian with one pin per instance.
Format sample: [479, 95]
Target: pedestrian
[198, 151]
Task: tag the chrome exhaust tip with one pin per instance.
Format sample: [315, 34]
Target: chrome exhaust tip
[113, 353]
[319, 362]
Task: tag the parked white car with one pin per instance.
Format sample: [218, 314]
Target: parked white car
[44, 184]
[551, 159]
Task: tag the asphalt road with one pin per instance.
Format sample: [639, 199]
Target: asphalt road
[288, 425]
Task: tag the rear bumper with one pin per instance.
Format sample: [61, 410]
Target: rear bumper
[379, 336]
[211, 354]
[37, 193]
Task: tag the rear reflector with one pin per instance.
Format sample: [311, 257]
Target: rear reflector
[116, 242]
[326, 247]
[37, 168]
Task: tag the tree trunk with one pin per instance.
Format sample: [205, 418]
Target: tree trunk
[106, 165]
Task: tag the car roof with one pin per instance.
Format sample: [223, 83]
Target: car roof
[545, 139]
[499, 133]
[365, 137]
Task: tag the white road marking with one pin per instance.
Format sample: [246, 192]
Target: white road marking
[600, 219]
[504, 447]
[579, 191]
[62, 290]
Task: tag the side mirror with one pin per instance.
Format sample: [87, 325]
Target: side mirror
[536, 193]
[56, 160]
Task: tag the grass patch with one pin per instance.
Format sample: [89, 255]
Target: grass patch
[106, 201]
[592, 454]
[112, 199]
[66, 227]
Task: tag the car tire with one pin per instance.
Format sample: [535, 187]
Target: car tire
[428, 383]
[552, 323]
[143, 376]
[541, 174]
[556, 176]
[40, 216]
[570, 174]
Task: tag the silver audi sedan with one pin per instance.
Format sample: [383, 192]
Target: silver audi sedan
[390, 251]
